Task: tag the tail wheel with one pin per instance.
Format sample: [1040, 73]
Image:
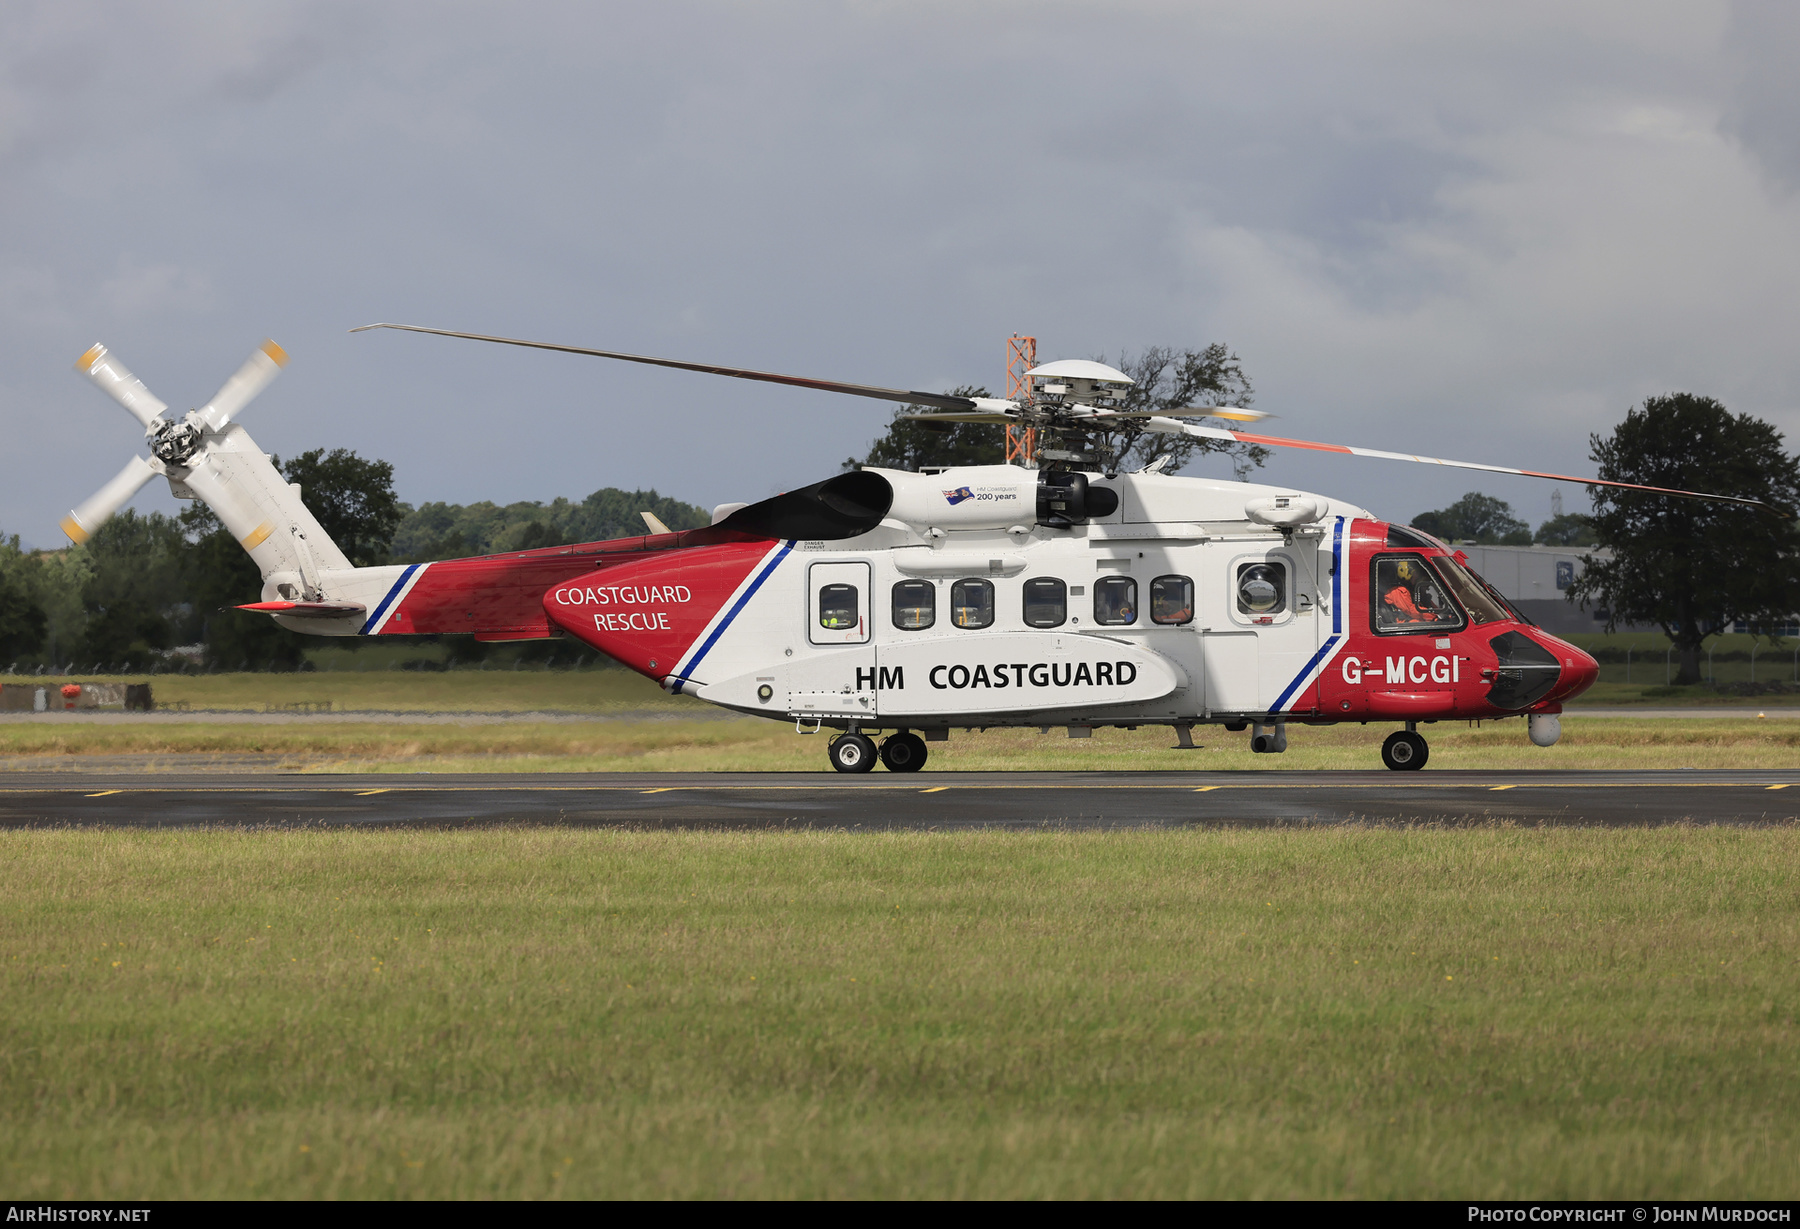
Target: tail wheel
[903, 753]
[852, 753]
[1405, 751]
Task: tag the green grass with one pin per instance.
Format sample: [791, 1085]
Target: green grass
[1487, 1013]
[750, 745]
[1605, 694]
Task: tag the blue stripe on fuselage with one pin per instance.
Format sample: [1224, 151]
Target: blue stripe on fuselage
[737, 606]
[375, 619]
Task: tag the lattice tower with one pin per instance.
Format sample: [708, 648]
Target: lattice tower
[1021, 357]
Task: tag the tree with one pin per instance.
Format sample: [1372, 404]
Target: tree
[1476, 518]
[1568, 529]
[913, 445]
[22, 617]
[353, 500]
[135, 597]
[1165, 381]
[450, 531]
[1692, 566]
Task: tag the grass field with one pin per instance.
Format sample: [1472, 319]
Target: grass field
[750, 745]
[548, 1013]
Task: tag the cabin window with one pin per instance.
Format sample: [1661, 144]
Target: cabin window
[1261, 589]
[1046, 602]
[972, 603]
[838, 607]
[915, 605]
[1115, 601]
[1172, 599]
[1410, 597]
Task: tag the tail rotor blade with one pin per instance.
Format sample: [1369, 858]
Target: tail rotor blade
[92, 512]
[242, 388]
[117, 382]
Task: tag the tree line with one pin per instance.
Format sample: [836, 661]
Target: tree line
[1487, 521]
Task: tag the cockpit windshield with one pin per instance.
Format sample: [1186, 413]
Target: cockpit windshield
[1472, 592]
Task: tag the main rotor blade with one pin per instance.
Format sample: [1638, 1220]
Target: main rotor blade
[1085, 415]
[92, 512]
[1234, 412]
[242, 388]
[1172, 427]
[116, 381]
[975, 417]
[740, 373]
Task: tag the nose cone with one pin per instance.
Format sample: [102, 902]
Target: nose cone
[1579, 671]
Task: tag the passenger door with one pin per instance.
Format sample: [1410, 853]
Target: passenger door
[838, 677]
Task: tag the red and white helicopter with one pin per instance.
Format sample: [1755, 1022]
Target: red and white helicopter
[995, 595]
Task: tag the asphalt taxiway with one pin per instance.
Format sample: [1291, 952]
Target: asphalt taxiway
[881, 800]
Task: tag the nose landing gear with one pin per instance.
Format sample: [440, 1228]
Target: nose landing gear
[1405, 751]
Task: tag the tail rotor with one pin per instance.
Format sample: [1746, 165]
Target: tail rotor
[178, 447]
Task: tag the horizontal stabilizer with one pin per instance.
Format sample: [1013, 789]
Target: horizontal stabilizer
[309, 610]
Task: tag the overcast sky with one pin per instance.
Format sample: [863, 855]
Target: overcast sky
[1470, 230]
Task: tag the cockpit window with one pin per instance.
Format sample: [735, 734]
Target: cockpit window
[1469, 590]
[1406, 535]
[1410, 597]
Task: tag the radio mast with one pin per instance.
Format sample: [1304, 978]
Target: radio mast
[1021, 357]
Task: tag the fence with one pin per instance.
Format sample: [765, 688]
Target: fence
[53, 697]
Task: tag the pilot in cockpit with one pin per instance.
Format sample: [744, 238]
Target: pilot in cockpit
[1410, 595]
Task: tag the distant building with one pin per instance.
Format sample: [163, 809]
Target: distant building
[1536, 579]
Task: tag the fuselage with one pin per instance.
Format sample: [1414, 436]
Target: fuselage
[959, 608]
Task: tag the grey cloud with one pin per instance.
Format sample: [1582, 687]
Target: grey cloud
[1764, 110]
[1422, 226]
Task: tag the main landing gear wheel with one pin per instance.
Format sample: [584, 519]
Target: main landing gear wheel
[851, 753]
[903, 753]
[1405, 751]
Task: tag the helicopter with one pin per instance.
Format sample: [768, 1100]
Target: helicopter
[900, 606]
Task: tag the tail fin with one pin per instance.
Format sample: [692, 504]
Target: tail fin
[263, 512]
